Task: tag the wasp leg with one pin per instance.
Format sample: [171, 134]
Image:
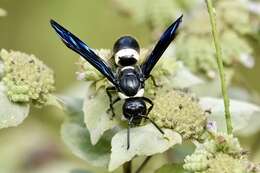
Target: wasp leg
[150, 102]
[111, 106]
[145, 117]
[128, 132]
[111, 102]
[154, 82]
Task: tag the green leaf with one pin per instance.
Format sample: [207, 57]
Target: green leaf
[11, 114]
[95, 116]
[54, 101]
[242, 113]
[72, 105]
[145, 140]
[209, 88]
[77, 90]
[184, 78]
[77, 138]
[171, 168]
[179, 152]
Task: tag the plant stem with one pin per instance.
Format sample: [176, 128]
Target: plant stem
[143, 164]
[212, 17]
[127, 167]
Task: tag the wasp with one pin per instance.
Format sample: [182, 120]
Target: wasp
[129, 77]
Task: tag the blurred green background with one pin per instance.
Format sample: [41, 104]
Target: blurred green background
[35, 146]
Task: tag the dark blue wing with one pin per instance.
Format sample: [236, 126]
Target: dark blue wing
[74, 43]
[160, 47]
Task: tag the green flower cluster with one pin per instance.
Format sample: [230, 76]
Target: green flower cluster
[195, 45]
[198, 53]
[179, 111]
[221, 154]
[155, 13]
[26, 78]
[236, 15]
[87, 72]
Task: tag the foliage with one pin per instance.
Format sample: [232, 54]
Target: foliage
[194, 47]
[182, 107]
[24, 80]
[139, 146]
[243, 113]
[155, 14]
[223, 153]
[77, 138]
[11, 114]
[24, 85]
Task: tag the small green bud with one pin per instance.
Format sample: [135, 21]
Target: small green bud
[179, 111]
[26, 78]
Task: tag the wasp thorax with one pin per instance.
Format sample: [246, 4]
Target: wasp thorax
[129, 82]
[126, 51]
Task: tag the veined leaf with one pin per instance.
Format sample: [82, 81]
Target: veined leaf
[184, 78]
[96, 118]
[11, 114]
[242, 113]
[76, 136]
[145, 140]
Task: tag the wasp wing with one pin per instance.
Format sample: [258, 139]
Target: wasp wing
[74, 43]
[160, 47]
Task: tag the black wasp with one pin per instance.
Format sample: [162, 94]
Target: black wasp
[129, 78]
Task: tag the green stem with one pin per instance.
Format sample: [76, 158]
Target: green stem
[212, 17]
[140, 168]
[127, 167]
